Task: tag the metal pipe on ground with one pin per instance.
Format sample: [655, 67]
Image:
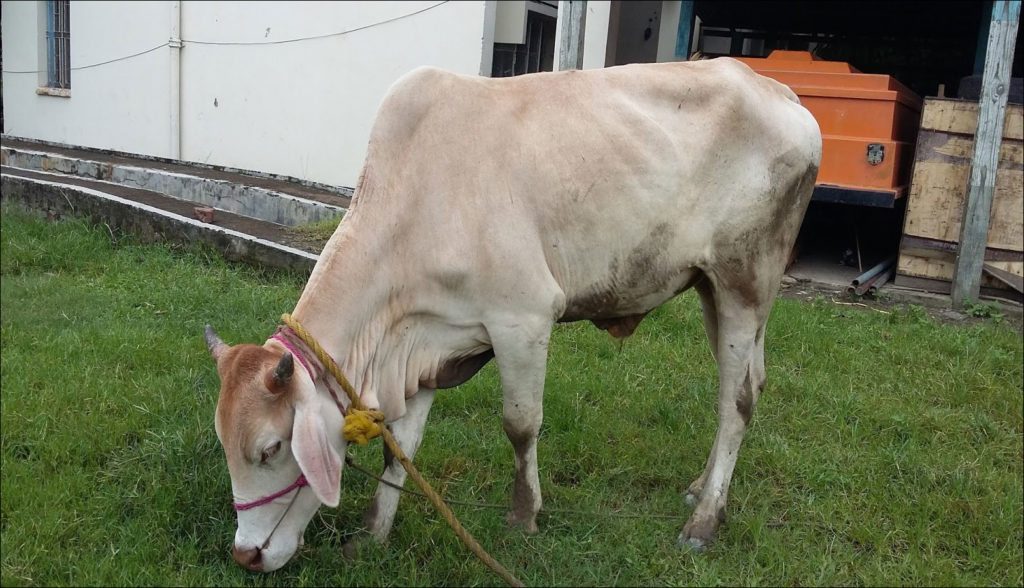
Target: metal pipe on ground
[861, 288]
[881, 281]
[872, 284]
[884, 278]
[875, 270]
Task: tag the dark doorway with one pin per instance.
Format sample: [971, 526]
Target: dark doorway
[536, 54]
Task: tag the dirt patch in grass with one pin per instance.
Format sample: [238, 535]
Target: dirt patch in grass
[890, 300]
[303, 242]
[311, 237]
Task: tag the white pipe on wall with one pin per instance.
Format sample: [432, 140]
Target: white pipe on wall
[174, 43]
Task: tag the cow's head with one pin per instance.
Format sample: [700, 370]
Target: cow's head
[276, 429]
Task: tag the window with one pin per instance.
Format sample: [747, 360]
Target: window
[536, 54]
[58, 44]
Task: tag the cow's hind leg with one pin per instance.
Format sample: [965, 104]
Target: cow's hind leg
[710, 311]
[408, 432]
[741, 375]
[521, 348]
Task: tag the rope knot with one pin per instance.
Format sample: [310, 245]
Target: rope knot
[362, 425]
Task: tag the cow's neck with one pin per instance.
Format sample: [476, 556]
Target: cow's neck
[348, 302]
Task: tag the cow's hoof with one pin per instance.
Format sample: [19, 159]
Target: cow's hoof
[528, 524]
[350, 550]
[699, 532]
[693, 544]
[691, 499]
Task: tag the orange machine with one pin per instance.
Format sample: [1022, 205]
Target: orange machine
[868, 125]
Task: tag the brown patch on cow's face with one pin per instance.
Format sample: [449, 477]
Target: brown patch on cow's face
[254, 404]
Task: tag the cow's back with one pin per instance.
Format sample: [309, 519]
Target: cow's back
[624, 179]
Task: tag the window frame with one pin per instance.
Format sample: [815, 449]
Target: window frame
[57, 41]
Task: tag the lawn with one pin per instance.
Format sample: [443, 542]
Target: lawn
[887, 448]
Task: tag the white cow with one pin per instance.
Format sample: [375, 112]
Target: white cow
[487, 211]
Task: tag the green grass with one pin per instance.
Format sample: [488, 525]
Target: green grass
[887, 448]
[314, 235]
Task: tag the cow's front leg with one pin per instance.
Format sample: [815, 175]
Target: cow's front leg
[408, 432]
[521, 352]
[741, 377]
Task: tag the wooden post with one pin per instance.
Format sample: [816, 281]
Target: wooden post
[573, 26]
[995, 87]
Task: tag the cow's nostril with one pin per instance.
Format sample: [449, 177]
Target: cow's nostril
[250, 559]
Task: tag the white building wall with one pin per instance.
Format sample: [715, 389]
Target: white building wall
[122, 106]
[302, 108]
[510, 22]
[257, 88]
[595, 34]
[305, 109]
[668, 31]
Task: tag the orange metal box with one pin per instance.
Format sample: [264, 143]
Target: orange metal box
[868, 121]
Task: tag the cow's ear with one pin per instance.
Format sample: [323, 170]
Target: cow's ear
[317, 458]
[214, 344]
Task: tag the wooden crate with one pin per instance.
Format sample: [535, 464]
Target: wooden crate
[942, 161]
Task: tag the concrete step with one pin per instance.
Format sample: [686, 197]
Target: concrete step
[284, 201]
[156, 217]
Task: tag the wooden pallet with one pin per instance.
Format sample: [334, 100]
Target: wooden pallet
[931, 228]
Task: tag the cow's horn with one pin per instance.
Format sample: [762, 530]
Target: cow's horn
[213, 343]
[285, 368]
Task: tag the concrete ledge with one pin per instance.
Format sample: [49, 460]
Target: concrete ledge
[149, 223]
[41, 145]
[252, 201]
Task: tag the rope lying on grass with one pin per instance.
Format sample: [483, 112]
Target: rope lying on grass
[621, 515]
[357, 408]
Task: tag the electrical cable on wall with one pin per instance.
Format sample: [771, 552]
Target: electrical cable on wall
[324, 36]
[7, 71]
[283, 41]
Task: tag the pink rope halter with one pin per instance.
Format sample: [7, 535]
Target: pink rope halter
[298, 483]
[290, 346]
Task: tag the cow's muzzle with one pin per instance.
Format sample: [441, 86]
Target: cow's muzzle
[249, 558]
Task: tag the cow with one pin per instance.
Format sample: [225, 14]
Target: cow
[488, 210]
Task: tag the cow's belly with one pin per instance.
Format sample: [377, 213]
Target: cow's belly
[618, 307]
[633, 271]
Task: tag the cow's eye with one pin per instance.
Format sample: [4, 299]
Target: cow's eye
[270, 452]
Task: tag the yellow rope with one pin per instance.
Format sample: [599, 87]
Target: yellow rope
[362, 425]
[396, 451]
